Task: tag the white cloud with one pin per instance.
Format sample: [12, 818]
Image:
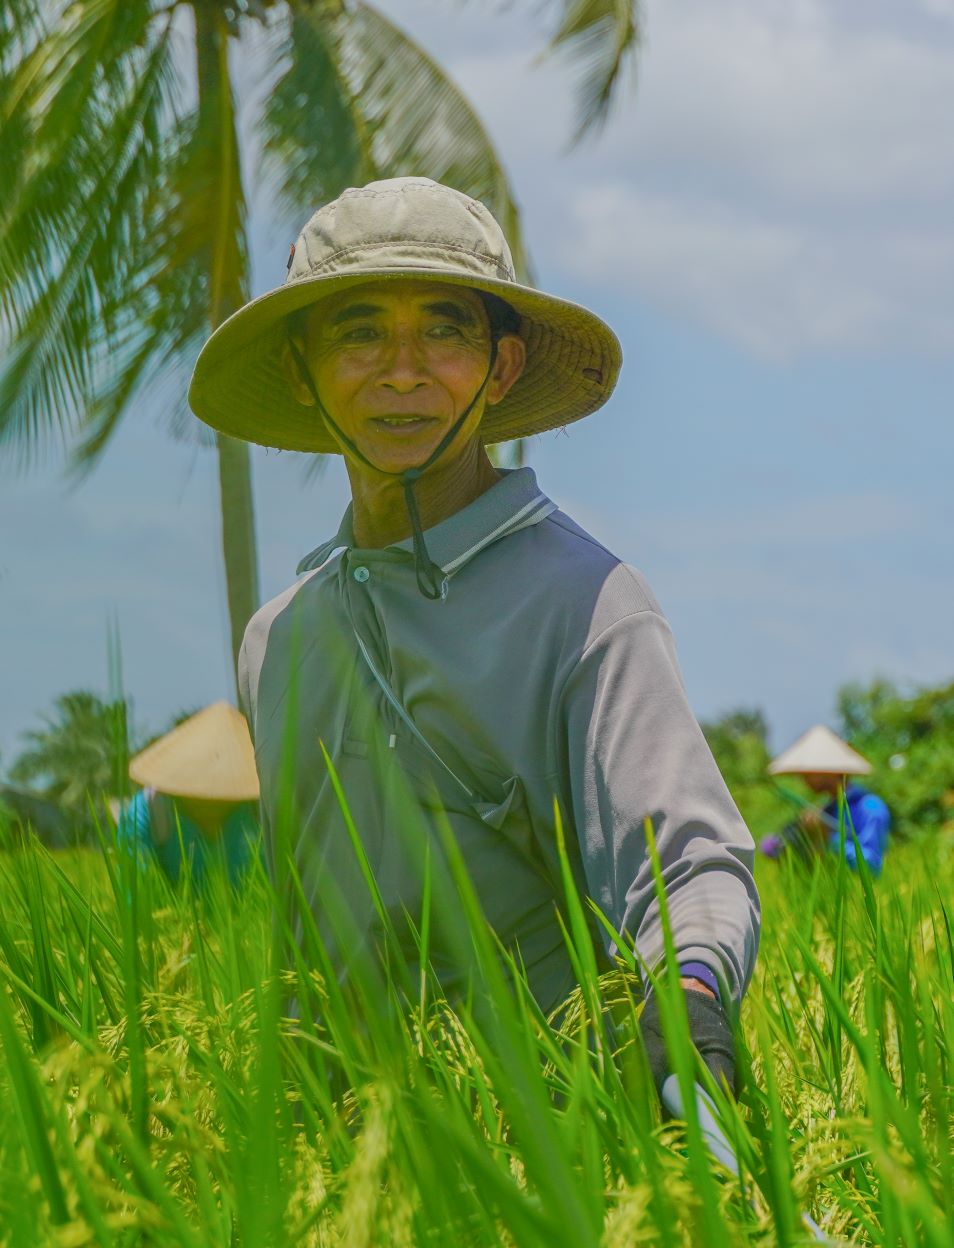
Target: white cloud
[777, 287]
[795, 102]
[807, 524]
[943, 9]
[782, 174]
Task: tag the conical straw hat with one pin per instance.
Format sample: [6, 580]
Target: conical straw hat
[208, 756]
[820, 750]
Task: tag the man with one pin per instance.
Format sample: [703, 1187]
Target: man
[460, 647]
[195, 807]
[825, 762]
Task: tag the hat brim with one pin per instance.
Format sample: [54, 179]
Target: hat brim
[861, 768]
[241, 385]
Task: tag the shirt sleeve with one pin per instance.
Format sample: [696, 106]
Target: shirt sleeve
[134, 829]
[242, 681]
[634, 749]
[247, 702]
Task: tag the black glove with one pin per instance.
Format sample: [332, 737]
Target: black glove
[710, 1032]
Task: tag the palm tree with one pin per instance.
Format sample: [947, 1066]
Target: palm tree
[79, 754]
[124, 157]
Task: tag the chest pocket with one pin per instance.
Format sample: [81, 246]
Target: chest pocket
[505, 813]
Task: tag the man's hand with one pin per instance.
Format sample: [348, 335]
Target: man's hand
[708, 1027]
[698, 986]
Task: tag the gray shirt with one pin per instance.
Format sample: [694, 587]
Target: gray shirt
[546, 673]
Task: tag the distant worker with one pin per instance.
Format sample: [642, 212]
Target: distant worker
[199, 797]
[825, 763]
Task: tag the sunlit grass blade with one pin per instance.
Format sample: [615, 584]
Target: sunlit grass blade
[33, 1116]
[675, 1024]
[478, 1120]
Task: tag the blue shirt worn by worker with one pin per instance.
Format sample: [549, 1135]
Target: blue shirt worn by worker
[151, 823]
[866, 815]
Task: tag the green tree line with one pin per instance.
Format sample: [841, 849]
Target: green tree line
[907, 736]
[81, 747]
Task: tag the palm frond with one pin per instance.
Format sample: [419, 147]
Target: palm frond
[75, 750]
[314, 139]
[196, 262]
[146, 359]
[404, 115]
[212, 212]
[312, 467]
[163, 314]
[421, 122]
[71, 233]
[600, 37]
[60, 77]
[142, 229]
[21, 28]
[84, 55]
[19, 20]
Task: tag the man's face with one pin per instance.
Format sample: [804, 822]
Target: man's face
[396, 362]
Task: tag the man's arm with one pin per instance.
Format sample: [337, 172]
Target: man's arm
[634, 749]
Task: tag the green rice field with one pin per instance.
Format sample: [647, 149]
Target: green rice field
[153, 1090]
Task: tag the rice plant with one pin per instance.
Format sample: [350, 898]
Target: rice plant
[182, 1069]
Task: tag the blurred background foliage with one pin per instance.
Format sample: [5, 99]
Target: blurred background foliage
[909, 739]
[739, 742]
[81, 748]
[907, 736]
[71, 765]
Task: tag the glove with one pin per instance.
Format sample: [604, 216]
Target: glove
[710, 1032]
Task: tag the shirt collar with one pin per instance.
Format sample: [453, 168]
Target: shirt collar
[515, 502]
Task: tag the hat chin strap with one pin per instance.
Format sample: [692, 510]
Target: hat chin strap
[430, 577]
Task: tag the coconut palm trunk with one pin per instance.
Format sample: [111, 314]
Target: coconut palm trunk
[239, 549]
[227, 291]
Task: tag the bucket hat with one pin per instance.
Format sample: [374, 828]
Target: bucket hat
[209, 756]
[820, 750]
[400, 227]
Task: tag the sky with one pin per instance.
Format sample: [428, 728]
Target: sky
[768, 224]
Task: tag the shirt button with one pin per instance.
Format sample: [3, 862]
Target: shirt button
[361, 573]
